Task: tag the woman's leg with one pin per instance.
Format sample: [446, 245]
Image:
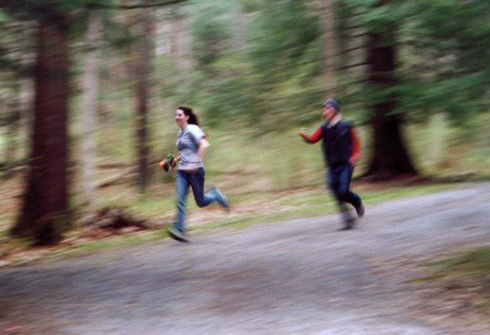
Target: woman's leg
[182, 187]
[202, 200]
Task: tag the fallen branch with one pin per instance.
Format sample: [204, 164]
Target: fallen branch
[115, 178]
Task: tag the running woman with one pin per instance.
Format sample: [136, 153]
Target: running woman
[191, 144]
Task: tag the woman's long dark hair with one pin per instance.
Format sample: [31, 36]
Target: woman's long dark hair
[190, 113]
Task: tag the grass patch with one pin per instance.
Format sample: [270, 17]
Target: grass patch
[471, 272]
[464, 278]
[113, 242]
[476, 263]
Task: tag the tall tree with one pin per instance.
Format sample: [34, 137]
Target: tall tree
[329, 45]
[143, 50]
[180, 38]
[420, 58]
[389, 156]
[45, 207]
[89, 109]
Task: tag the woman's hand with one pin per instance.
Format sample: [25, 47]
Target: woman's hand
[169, 162]
[166, 165]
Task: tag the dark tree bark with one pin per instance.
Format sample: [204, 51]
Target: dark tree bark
[142, 68]
[139, 63]
[45, 207]
[390, 157]
[330, 47]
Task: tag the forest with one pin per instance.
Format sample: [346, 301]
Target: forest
[89, 88]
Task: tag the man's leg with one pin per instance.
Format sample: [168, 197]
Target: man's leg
[344, 192]
[342, 177]
[334, 182]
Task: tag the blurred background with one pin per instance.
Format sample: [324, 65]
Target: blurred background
[89, 88]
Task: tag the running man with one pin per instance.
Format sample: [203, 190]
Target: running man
[341, 150]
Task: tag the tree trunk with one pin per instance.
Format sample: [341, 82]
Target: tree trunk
[89, 111]
[180, 39]
[390, 157]
[142, 74]
[45, 209]
[239, 25]
[330, 49]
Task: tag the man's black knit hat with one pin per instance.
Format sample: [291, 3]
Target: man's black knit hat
[332, 103]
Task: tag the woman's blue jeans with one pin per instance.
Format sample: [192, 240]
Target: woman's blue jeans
[194, 179]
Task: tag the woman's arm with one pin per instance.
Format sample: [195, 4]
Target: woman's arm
[203, 147]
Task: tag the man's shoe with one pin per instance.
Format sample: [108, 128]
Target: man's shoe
[177, 235]
[360, 210]
[349, 222]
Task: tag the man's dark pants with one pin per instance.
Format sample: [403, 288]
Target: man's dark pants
[338, 180]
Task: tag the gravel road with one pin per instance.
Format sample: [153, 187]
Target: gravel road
[293, 277]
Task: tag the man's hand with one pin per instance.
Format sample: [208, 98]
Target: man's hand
[303, 135]
[354, 160]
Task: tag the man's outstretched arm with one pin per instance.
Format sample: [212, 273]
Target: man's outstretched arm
[313, 138]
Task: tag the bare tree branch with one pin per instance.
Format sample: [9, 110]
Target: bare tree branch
[14, 4]
[352, 66]
[140, 5]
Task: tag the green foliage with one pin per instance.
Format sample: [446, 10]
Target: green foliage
[457, 36]
[211, 33]
[283, 35]
[443, 50]
[477, 261]
[4, 16]
[271, 77]
[250, 6]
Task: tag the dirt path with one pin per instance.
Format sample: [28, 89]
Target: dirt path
[295, 277]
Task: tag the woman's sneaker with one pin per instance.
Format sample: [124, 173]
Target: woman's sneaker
[222, 199]
[177, 235]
